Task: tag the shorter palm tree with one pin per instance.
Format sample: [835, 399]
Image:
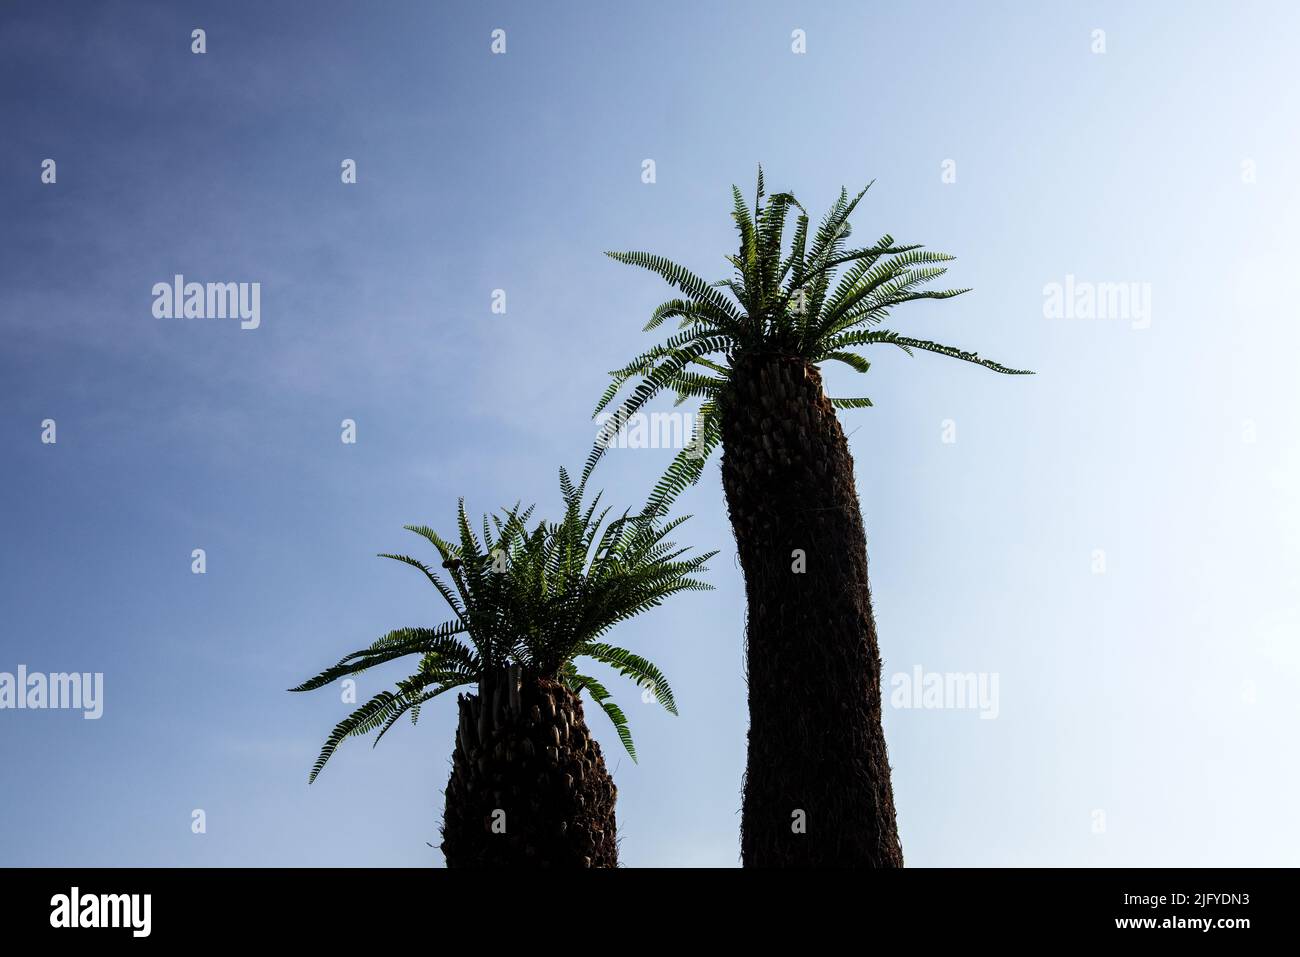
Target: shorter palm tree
[528, 784]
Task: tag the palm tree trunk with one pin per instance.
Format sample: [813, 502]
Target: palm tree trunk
[528, 784]
[817, 790]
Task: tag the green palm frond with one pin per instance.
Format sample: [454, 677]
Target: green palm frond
[439, 641]
[634, 666]
[580, 682]
[776, 302]
[375, 714]
[535, 594]
[906, 343]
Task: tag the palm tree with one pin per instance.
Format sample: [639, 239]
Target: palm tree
[528, 784]
[817, 787]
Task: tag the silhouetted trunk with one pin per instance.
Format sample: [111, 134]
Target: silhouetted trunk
[817, 790]
[528, 784]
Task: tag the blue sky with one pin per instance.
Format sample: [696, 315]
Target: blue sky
[1160, 693]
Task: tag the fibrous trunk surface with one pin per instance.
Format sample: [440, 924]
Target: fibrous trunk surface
[817, 788]
[528, 784]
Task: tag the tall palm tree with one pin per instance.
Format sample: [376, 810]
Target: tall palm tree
[528, 784]
[817, 783]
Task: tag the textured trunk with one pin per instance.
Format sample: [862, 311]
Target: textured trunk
[528, 784]
[817, 791]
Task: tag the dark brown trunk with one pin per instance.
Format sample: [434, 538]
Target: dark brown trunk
[817, 790]
[528, 784]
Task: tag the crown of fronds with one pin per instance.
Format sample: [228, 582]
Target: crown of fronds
[543, 597]
[780, 302]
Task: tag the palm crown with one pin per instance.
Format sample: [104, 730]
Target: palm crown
[537, 598]
[780, 303]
